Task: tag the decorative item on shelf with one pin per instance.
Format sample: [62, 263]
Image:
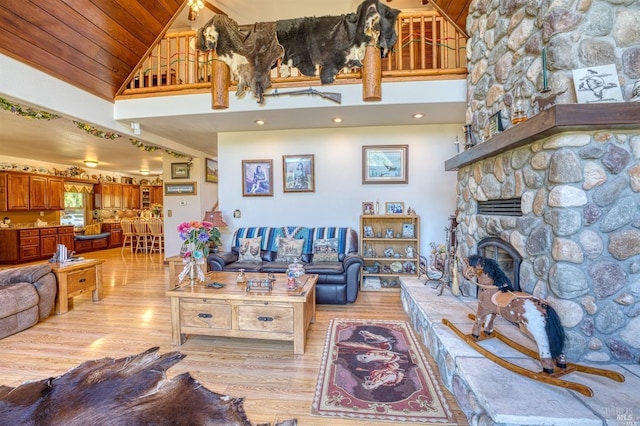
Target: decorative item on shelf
[518, 107]
[469, 138]
[635, 92]
[547, 100]
[545, 80]
[196, 237]
[495, 124]
[388, 252]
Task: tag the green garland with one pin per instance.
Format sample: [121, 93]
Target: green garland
[95, 132]
[26, 112]
[150, 148]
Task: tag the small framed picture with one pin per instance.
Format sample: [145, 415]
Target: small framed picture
[211, 171]
[394, 208]
[385, 164]
[257, 178]
[179, 170]
[297, 173]
[186, 188]
[389, 233]
[368, 231]
[367, 207]
[495, 124]
[407, 230]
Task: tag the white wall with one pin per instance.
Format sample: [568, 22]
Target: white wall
[339, 192]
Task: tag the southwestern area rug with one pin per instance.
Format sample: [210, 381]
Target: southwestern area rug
[375, 370]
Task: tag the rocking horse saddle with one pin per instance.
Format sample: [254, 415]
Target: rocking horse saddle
[501, 299]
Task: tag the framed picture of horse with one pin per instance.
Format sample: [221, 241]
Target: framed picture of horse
[257, 178]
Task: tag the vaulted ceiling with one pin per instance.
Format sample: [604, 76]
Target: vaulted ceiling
[96, 44]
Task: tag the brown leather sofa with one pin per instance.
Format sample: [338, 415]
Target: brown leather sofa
[27, 295]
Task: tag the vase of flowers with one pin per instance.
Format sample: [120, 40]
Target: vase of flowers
[156, 209]
[196, 238]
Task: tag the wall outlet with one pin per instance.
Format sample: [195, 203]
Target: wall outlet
[183, 203]
[237, 214]
[169, 213]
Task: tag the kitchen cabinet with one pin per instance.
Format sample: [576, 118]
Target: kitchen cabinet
[150, 195]
[46, 193]
[17, 190]
[23, 191]
[25, 245]
[115, 239]
[130, 196]
[108, 196]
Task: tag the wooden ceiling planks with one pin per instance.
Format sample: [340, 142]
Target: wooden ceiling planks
[96, 44]
[93, 44]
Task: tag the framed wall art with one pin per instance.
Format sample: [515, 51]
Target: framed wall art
[394, 208]
[385, 164]
[367, 207]
[257, 178]
[297, 173]
[495, 124]
[211, 170]
[183, 188]
[179, 170]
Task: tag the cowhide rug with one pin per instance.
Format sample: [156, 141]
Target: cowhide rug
[127, 391]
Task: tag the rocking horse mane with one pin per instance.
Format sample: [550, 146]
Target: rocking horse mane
[491, 268]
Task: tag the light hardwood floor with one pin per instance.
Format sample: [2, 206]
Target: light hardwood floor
[134, 316]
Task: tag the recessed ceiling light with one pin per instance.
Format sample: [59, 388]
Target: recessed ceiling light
[90, 163]
[418, 115]
[337, 120]
[259, 122]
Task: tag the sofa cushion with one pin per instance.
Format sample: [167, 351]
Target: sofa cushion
[250, 249]
[325, 250]
[324, 268]
[347, 239]
[245, 266]
[289, 250]
[16, 298]
[18, 322]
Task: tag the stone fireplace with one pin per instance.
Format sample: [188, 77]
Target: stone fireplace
[578, 181]
[574, 168]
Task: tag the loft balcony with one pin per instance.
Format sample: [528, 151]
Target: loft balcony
[430, 47]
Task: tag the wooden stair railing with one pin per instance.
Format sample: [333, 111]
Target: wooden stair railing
[429, 46]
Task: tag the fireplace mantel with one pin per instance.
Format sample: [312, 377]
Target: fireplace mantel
[557, 119]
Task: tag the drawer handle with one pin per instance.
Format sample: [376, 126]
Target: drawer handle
[265, 319]
[82, 280]
[205, 315]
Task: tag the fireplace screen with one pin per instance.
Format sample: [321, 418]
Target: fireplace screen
[505, 255]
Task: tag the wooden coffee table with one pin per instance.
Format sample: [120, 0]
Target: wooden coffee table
[75, 278]
[231, 311]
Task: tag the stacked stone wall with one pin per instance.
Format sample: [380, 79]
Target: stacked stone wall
[505, 49]
[579, 234]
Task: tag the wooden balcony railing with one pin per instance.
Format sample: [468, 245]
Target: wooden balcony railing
[429, 46]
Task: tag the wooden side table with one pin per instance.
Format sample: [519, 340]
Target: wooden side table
[75, 278]
[175, 267]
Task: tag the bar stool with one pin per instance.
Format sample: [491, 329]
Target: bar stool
[128, 234]
[142, 235]
[157, 235]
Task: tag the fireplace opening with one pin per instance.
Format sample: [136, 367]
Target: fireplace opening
[505, 255]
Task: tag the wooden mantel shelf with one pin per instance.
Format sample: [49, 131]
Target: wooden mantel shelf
[557, 119]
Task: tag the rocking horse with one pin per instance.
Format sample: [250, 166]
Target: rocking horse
[533, 316]
[538, 320]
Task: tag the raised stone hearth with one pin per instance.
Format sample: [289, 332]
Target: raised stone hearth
[491, 395]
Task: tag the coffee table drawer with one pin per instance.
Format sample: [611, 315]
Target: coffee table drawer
[83, 279]
[199, 313]
[275, 319]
